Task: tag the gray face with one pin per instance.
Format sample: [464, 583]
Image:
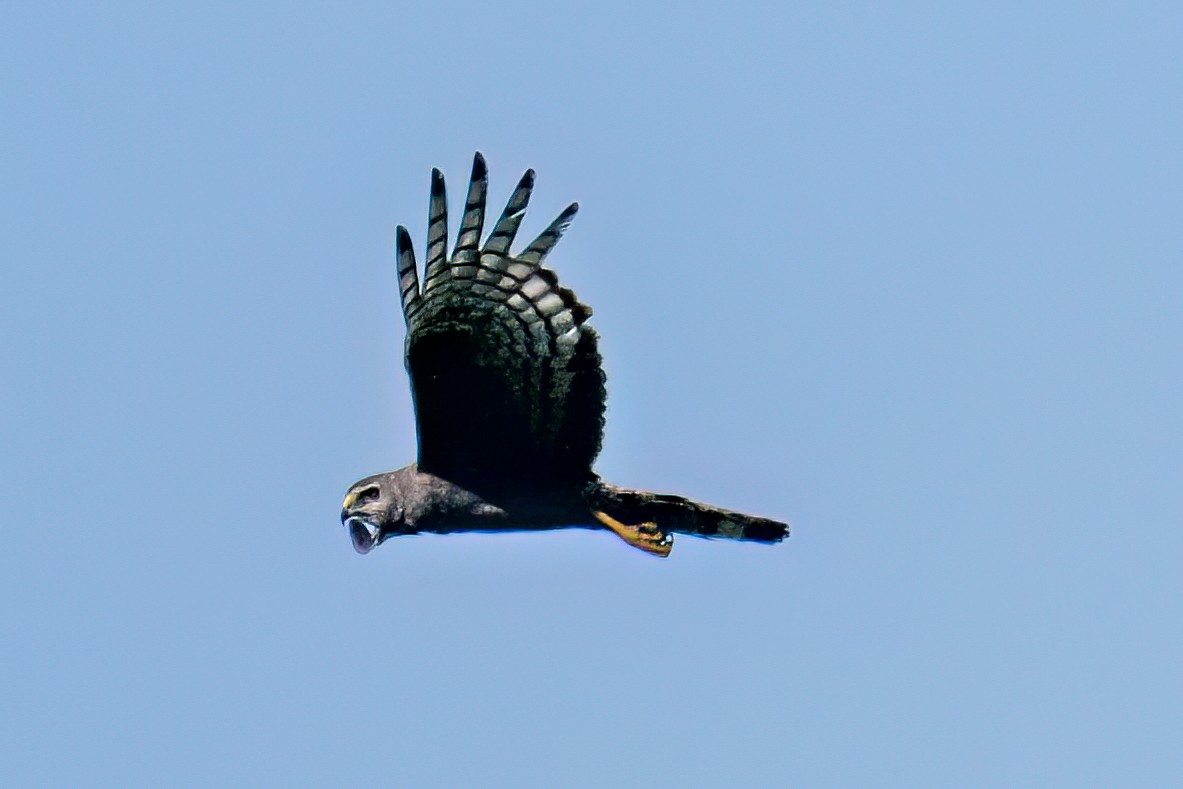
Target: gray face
[372, 511]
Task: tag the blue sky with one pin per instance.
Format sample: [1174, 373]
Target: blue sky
[907, 277]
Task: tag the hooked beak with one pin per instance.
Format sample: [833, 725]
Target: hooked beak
[364, 533]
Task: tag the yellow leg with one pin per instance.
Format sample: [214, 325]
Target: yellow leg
[645, 536]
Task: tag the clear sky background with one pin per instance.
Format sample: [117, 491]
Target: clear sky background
[908, 277]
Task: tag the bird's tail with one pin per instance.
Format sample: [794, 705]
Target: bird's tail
[677, 514]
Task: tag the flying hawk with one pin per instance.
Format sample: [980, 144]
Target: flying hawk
[509, 399]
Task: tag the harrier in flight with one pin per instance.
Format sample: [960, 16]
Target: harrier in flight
[509, 399]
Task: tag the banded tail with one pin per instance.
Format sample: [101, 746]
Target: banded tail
[671, 513]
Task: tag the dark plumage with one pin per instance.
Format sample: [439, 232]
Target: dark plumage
[509, 398]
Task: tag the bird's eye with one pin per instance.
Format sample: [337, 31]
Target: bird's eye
[369, 494]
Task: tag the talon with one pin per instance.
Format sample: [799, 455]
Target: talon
[646, 536]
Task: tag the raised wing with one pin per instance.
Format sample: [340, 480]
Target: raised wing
[506, 377]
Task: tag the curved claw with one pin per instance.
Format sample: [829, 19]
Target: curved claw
[645, 536]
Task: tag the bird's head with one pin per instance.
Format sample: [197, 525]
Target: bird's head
[373, 510]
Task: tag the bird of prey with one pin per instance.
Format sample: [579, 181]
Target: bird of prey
[509, 398]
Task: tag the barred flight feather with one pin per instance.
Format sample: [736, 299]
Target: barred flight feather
[516, 335]
[408, 273]
[466, 257]
[437, 230]
[507, 226]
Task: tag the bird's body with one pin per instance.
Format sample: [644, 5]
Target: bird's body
[509, 398]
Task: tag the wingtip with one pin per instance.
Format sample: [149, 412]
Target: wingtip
[402, 237]
[479, 169]
[564, 219]
[437, 181]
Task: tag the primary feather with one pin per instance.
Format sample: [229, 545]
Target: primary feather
[508, 387]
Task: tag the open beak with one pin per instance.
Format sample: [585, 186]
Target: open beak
[365, 535]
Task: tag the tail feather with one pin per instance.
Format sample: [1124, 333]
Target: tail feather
[684, 516]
